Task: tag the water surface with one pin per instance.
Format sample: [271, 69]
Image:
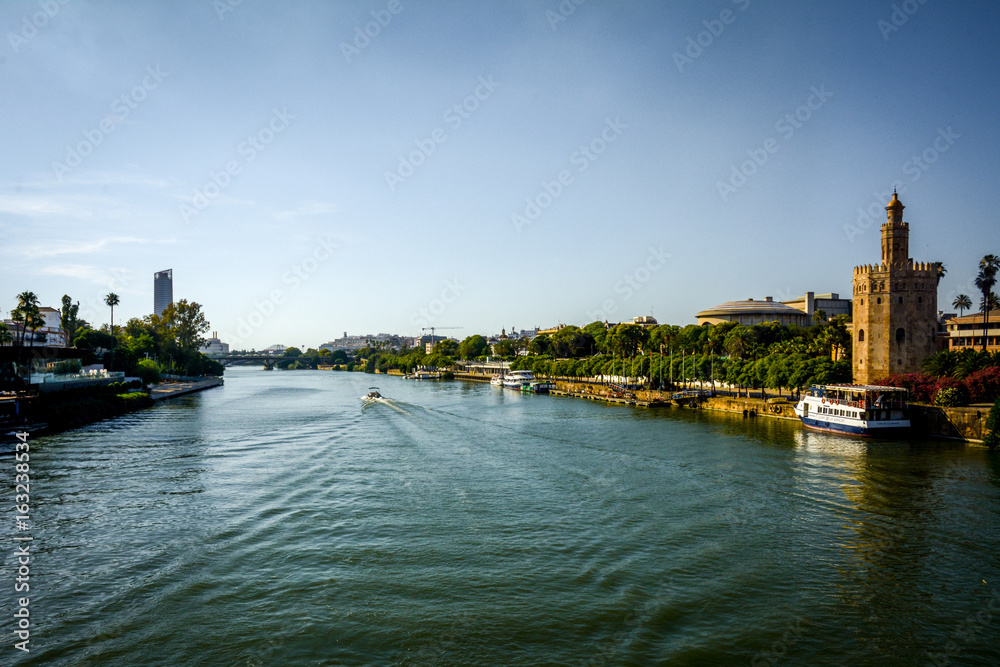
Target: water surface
[280, 520]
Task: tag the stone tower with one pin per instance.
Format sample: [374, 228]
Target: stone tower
[895, 306]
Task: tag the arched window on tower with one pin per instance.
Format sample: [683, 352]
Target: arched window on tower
[861, 335]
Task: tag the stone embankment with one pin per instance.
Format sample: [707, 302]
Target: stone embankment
[955, 423]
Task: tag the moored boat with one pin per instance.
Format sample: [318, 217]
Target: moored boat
[426, 373]
[865, 410]
[541, 386]
[497, 380]
[518, 379]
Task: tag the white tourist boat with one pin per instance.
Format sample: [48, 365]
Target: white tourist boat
[518, 379]
[855, 409]
[497, 380]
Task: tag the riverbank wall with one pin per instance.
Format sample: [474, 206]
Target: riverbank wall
[966, 424]
[54, 412]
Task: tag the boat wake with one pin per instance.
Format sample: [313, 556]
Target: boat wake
[384, 401]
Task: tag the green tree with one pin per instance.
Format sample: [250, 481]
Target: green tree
[112, 300]
[446, 347]
[185, 326]
[6, 337]
[962, 302]
[505, 349]
[68, 320]
[472, 347]
[599, 333]
[540, 344]
[292, 352]
[739, 341]
[626, 340]
[985, 281]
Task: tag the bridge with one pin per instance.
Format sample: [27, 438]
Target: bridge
[267, 360]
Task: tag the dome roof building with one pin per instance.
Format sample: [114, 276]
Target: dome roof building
[753, 312]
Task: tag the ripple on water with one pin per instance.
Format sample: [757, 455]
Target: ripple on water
[288, 522]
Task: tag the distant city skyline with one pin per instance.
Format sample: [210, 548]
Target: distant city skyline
[382, 166]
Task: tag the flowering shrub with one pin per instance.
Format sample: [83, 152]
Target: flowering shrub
[984, 385]
[979, 387]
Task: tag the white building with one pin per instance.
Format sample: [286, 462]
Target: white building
[214, 347]
[50, 333]
[351, 343]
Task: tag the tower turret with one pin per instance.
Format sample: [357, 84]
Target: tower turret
[895, 234]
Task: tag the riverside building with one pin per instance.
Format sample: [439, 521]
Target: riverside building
[895, 306]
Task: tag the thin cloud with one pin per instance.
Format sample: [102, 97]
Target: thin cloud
[306, 208]
[77, 248]
[103, 276]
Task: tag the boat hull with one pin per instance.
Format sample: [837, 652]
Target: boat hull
[863, 430]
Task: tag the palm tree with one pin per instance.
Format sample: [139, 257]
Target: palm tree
[112, 300]
[985, 281]
[27, 315]
[6, 337]
[941, 270]
[962, 302]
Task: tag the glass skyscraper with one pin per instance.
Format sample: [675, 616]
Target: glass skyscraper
[163, 290]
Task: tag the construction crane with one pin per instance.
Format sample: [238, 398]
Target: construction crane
[432, 329]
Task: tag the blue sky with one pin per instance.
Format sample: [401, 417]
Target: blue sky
[485, 165]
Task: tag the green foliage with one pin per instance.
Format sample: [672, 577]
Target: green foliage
[292, 352]
[991, 436]
[446, 347]
[472, 347]
[148, 371]
[505, 349]
[951, 397]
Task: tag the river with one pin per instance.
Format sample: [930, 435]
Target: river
[279, 520]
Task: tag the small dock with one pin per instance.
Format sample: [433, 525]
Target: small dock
[170, 390]
[618, 400]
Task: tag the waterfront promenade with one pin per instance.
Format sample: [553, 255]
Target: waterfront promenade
[172, 389]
